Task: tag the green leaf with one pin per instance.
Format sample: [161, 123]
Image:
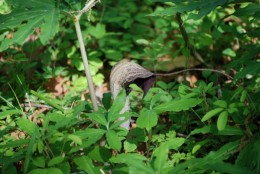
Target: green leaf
[5, 113]
[172, 11]
[94, 138]
[29, 152]
[89, 132]
[133, 160]
[221, 103]
[123, 121]
[129, 147]
[229, 130]
[17, 143]
[80, 67]
[76, 139]
[243, 96]
[211, 114]
[40, 146]
[99, 31]
[198, 145]
[113, 140]
[117, 106]
[249, 10]
[65, 167]
[175, 143]
[21, 13]
[229, 52]
[178, 105]
[223, 167]
[224, 152]
[251, 68]
[202, 8]
[113, 54]
[28, 126]
[39, 171]
[50, 26]
[25, 31]
[98, 79]
[100, 154]
[203, 130]
[160, 156]
[106, 100]
[55, 161]
[147, 119]
[85, 164]
[142, 42]
[53, 170]
[249, 155]
[222, 120]
[80, 107]
[39, 162]
[26, 16]
[98, 116]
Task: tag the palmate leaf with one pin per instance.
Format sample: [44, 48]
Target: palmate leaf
[50, 26]
[25, 17]
[25, 11]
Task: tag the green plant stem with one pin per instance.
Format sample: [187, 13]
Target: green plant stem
[49, 148]
[190, 47]
[149, 134]
[85, 62]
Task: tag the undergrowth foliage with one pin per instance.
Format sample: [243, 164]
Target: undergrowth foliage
[209, 126]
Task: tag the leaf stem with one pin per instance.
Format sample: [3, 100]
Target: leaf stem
[148, 142]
